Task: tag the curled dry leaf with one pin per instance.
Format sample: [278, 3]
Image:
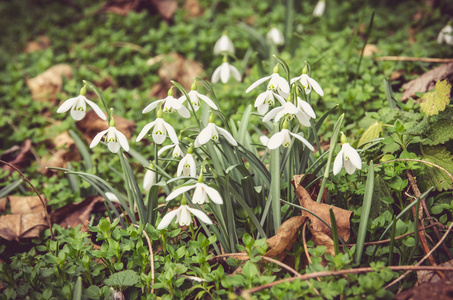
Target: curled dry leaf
[77, 213]
[322, 239]
[322, 210]
[47, 85]
[427, 81]
[91, 125]
[18, 160]
[430, 276]
[284, 238]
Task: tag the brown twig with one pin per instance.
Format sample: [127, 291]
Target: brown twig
[396, 238]
[46, 215]
[243, 256]
[422, 59]
[424, 258]
[343, 272]
[304, 241]
[151, 256]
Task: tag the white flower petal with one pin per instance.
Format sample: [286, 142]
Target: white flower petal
[276, 140]
[225, 72]
[96, 109]
[171, 132]
[257, 83]
[165, 148]
[338, 163]
[303, 118]
[282, 84]
[353, 156]
[216, 75]
[235, 73]
[68, 104]
[204, 136]
[98, 138]
[166, 220]
[159, 132]
[227, 135]
[200, 215]
[184, 112]
[306, 107]
[114, 147]
[279, 98]
[149, 180]
[145, 130]
[303, 140]
[315, 86]
[179, 191]
[78, 114]
[213, 194]
[264, 140]
[208, 101]
[152, 106]
[122, 139]
[184, 218]
[263, 108]
[272, 113]
[199, 195]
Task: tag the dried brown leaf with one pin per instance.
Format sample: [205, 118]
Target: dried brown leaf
[427, 81]
[284, 238]
[342, 216]
[66, 151]
[193, 8]
[20, 159]
[370, 49]
[47, 85]
[77, 213]
[15, 227]
[322, 239]
[441, 290]
[431, 276]
[3, 203]
[26, 204]
[42, 42]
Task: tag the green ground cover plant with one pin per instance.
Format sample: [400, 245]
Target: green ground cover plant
[281, 160]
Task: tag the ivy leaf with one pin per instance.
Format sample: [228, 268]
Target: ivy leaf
[123, 278]
[436, 101]
[433, 176]
[371, 133]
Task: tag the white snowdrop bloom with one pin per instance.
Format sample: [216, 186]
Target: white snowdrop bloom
[195, 98]
[187, 165]
[183, 217]
[150, 179]
[306, 108]
[177, 152]
[446, 35]
[308, 83]
[170, 105]
[276, 83]
[113, 138]
[275, 36]
[319, 8]
[264, 140]
[78, 106]
[283, 138]
[201, 193]
[211, 132]
[224, 46]
[348, 157]
[160, 129]
[267, 99]
[112, 197]
[290, 110]
[223, 73]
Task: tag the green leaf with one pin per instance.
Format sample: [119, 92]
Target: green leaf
[371, 133]
[123, 278]
[436, 101]
[93, 292]
[433, 176]
[439, 132]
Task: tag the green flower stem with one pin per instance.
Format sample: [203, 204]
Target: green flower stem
[275, 183]
[333, 143]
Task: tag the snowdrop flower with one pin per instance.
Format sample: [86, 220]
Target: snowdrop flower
[211, 132]
[224, 46]
[267, 99]
[289, 110]
[347, 156]
[113, 138]
[112, 197]
[446, 35]
[200, 196]
[224, 71]
[308, 83]
[187, 165]
[306, 108]
[319, 8]
[284, 138]
[159, 131]
[150, 178]
[275, 36]
[276, 83]
[183, 216]
[195, 98]
[264, 140]
[177, 152]
[78, 106]
[170, 105]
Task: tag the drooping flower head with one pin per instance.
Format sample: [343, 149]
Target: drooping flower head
[446, 35]
[276, 83]
[183, 216]
[160, 129]
[319, 8]
[150, 178]
[276, 37]
[78, 106]
[170, 105]
[308, 83]
[348, 157]
[195, 98]
[211, 132]
[177, 152]
[224, 71]
[288, 110]
[283, 138]
[187, 165]
[200, 196]
[113, 138]
[224, 46]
